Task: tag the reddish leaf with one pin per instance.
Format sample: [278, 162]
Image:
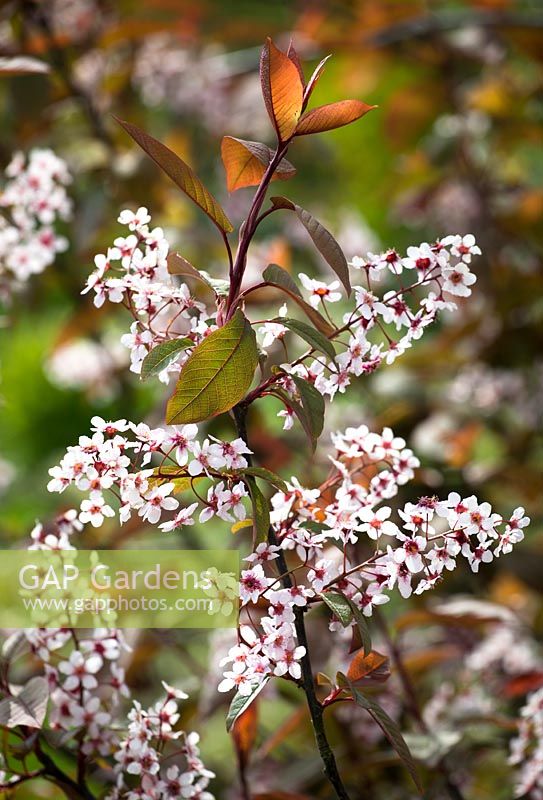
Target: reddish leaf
[522, 684]
[246, 162]
[181, 174]
[373, 667]
[244, 734]
[295, 58]
[278, 277]
[322, 239]
[282, 90]
[334, 115]
[388, 726]
[178, 265]
[314, 78]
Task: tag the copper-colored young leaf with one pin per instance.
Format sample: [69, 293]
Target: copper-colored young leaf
[282, 90]
[333, 115]
[217, 373]
[292, 53]
[322, 239]
[181, 174]
[312, 82]
[373, 667]
[244, 733]
[246, 162]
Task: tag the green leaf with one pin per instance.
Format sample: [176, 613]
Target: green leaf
[313, 406]
[162, 355]
[387, 725]
[241, 703]
[181, 174]
[295, 407]
[322, 239]
[313, 337]
[363, 626]
[217, 373]
[177, 475]
[298, 410]
[347, 611]
[280, 278]
[339, 605]
[266, 475]
[261, 512]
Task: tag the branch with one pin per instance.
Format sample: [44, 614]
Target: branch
[316, 710]
[71, 788]
[249, 229]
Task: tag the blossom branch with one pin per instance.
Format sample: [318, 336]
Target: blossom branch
[315, 707]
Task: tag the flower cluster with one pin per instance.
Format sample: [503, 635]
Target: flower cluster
[330, 529]
[116, 459]
[33, 199]
[83, 670]
[86, 690]
[527, 748]
[141, 755]
[503, 661]
[383, 326]
[134, 271]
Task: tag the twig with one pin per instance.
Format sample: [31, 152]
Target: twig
[316, 710]
[71, 788]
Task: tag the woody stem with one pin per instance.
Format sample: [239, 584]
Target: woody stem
[316, 709]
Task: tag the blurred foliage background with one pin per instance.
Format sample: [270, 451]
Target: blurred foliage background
[455, 146]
